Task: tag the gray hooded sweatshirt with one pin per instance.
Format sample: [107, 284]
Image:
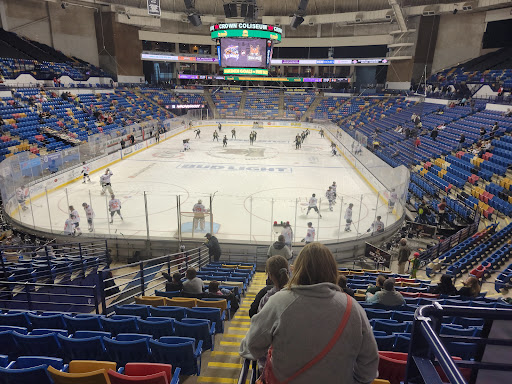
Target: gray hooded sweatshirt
[299, 323]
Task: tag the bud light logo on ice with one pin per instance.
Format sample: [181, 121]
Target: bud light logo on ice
[231, 52]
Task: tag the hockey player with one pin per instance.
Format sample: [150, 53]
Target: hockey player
[85, 172]
[254, 133]
[298, 141]
[225, 141]
[233, 133]
[310, 235]
[321, 132]
[313, 205]
[330, 198]
[333, 187]
[76, 220]
[199, 211]
[251, 138]
[215, 135]
[114, 205]
[69, 227]
[348, 217]
[288, 235]
[89, 213]
[105, 182]
[198, 133]
[21, 196]
[393, 197]
[377, 226]
[219, 127]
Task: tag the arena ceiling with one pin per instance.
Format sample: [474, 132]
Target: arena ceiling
[289, 7]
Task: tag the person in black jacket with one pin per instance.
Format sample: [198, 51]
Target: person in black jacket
[213, 247]
[256, 303]
[471, 287]
[173, 283]
[445, 286]
[342, 282]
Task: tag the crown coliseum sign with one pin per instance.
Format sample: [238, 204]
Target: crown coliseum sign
[261, 31]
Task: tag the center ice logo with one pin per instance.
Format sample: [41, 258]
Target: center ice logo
[250, 152]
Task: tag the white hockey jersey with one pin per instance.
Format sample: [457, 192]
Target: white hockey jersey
[310, 236]
[114, 205]
[89, 213]
[199, 210]
[378, 226]
[313, 201]
[288, 235]
[86, 169]
[69, 228]
[333, 188]
[105, 178]
[348, 214]
[76, 219]
[21, 193]
[329, 194]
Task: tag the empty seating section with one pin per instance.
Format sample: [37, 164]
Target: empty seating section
[295, 104]
[329, 108]
[227, 103]
[20, 55]
[261, 104]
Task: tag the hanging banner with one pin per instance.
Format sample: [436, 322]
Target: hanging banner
[154, 8]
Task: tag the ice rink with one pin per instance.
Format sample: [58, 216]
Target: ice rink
[252, 186]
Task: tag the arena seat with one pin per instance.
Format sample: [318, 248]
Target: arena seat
[124, 352]
[179, 352]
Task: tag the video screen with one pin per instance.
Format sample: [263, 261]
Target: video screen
[243, 53]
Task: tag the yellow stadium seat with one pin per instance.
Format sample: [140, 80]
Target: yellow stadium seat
[95, 377]
[155, 301]
[222, 304]
[180, 302]
[84, 366]
[380, 381]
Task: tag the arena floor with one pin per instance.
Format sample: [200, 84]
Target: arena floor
[252, 185]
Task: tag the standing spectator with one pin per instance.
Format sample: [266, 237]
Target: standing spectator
[387, 296]
[482, 132]
[472, 105]
[279, 248]
[213, 247]
[462, 140]
[441, 207]
[312, 297]
[157, 136]
[471, 287]
[277, 269]
[193, 284]
[403, 256]
[434, 133]
[415, 264]
[310, 235]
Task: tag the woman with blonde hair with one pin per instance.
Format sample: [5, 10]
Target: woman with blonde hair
[313, 332]
[471, 287]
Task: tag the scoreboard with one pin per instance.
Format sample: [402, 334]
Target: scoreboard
[245, 48]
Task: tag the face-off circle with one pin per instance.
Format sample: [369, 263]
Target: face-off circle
[249, 152]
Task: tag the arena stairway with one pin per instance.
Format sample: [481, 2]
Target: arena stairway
[241, 108]
[312, 107]
[211, 104]
[281, 103]
[224, 363]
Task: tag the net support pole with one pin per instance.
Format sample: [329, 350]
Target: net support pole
[48, 206]
[31, 209]
[147, 215]
[108, 220]
[90, 203]
[339, 223]
[178, 214]
[211, 215]
[359, 217]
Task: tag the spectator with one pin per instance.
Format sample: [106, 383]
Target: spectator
[342, 282]
[417, 142]
[288, 235]
[256, 303]
[462, 139]
[193, 284]
[441, 207]
[471, 287]
[482, 132]
[214, 289]
[174, 283]
[403, 255]
[279, 248]
[278, 272]
[285, 325]
[213, 247]
[387, 296]
[445, 286]
[434, 133]
[415, 264]
[378, 285]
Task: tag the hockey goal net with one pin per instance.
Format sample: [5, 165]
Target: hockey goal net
[195, 224]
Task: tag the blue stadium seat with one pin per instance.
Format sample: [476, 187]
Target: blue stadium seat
[91, 348]
[156, 326]
[453, 330]
[465, 351]
[179, 352]
[8, 345]
[402, 343]
[199, 329]
[20, 330]
[177, 313]
[389, 326]
[119, 325]
[40, 345]
[19, 319]
[377, 314]
[87, 334]
[133, 310]
[91, 323]
[133, 337]
[4, 361]
[402, 316]
[34, 361]
[47, 321]
[124, 352]
[44, 331]
[385, 343]
[212, 314]
[37, 375]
